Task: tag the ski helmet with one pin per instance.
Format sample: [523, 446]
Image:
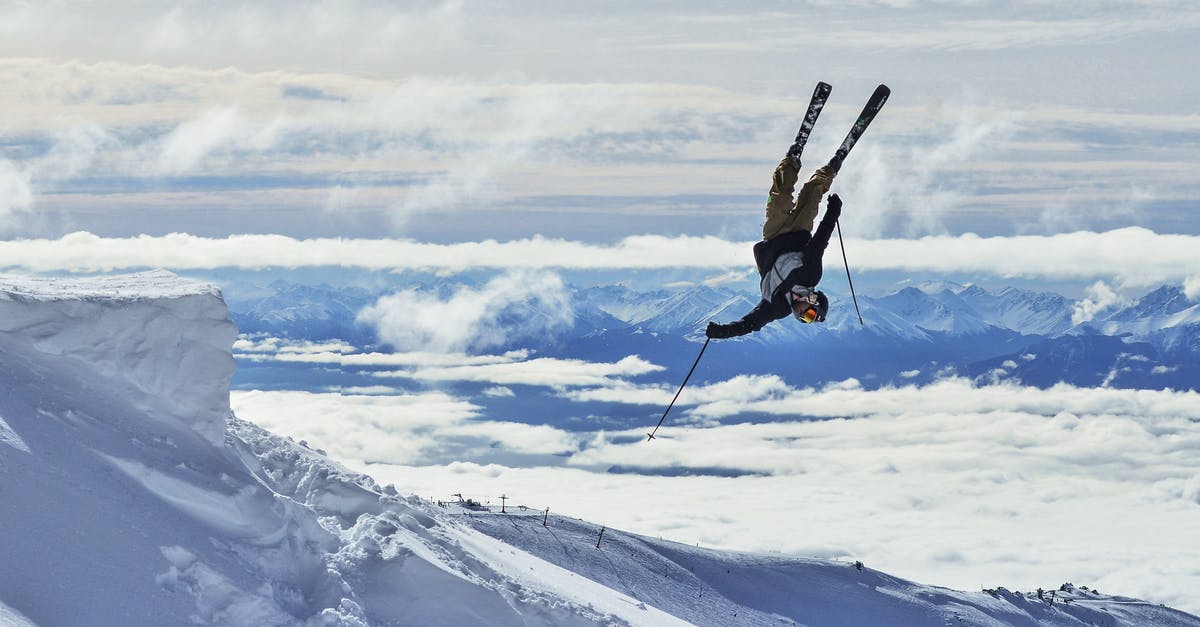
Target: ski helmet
[809, 305]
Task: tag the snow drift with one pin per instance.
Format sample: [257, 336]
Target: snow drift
[130, 495]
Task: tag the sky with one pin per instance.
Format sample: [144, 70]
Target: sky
[1034, 140]
[462, 121]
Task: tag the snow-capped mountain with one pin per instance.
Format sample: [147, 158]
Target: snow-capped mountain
[313, 312]
[132, 496]
[928, 328]
[1164, 317]
[664, 311]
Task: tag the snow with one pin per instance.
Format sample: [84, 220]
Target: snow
[12, 618]
[163, 340]
[132, 496]
[708, 587]
[10, 437]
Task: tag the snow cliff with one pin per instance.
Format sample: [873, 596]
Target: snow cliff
[157, 338]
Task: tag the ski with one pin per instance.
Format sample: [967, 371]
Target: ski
[874, 104]
[820, 95]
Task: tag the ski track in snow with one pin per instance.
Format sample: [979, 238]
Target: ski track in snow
[132, 496]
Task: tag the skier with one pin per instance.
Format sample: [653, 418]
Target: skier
[789, 257]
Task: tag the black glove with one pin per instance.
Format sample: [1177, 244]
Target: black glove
[794, 154]
[717, 331]
[726, 331]
[835, 203]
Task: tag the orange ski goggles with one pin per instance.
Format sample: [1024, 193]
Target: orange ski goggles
[805, 307]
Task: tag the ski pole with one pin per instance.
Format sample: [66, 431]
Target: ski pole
[848, 279]
[650, 436]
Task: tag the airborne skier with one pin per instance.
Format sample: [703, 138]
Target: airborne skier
[789, 257]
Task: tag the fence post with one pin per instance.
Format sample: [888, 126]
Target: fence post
[600, 538]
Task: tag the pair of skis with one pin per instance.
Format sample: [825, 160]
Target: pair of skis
[819, 97]
[874, 104]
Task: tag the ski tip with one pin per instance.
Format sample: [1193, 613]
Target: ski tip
[649, 436]
[881, 95]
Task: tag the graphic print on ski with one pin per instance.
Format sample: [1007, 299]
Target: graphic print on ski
[874, 104]
[820, 95]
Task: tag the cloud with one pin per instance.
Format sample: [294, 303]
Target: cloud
[366, 424]
[407, 428]
[1098, 298]
[759, 394]
[74, 150]
[381, 150]
[510, 307]
[295, 349]
[275, 349]
[518, 121]
[218, 34]
[541, 371]
[1133, 256]
[510, 368]
[222, 129]
[499, 392]
[915, 187]
[71, 151]
[1191, 288]
[1021, 484]
[16, 193]
[734, 392]
[222, 34]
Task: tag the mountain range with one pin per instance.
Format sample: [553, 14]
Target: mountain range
[915, 333]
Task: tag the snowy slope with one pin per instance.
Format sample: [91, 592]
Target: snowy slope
[715, 588]
[132, 496]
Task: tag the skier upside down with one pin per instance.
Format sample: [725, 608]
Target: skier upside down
[789, 257]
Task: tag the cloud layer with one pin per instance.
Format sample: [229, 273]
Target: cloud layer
[955, 483]
[179, 110]
[1132, 256]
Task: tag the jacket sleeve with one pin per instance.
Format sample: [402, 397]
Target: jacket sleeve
[820, 239]
[751, 322]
